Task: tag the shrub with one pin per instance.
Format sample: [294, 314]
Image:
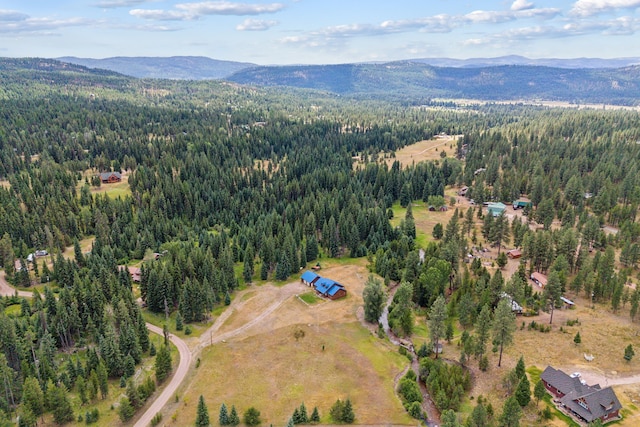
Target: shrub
[125, 410]
[156, 419]
[415, 410]
[252, 417]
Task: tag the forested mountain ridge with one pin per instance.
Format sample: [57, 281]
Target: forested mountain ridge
[175, 67]
[418, 81]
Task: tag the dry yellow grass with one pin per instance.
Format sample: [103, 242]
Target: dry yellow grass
[266, 367]
[420, 151]
[85, 245]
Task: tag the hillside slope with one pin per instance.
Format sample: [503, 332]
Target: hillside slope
[175, 67]
[416, 80]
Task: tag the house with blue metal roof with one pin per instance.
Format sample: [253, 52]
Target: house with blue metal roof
[309, 277]
[325, 287]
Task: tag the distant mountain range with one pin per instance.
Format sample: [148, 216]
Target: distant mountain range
[521, 60]
[412, 81]
[408, 82]
[173, 68]
[203, 68]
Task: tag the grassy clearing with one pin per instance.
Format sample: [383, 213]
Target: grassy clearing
[279, 373]
[118, 189]
[158, 319]
[429, 149]
[85, 244]
[425, 220]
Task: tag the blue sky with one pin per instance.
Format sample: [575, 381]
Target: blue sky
[320, 31]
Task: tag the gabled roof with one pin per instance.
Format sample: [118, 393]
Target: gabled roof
[590, 402]
[106, 175]
[561, 381]
[598, 402]
[309, 276]
[334, 289]
[327, 286]
[539, 277]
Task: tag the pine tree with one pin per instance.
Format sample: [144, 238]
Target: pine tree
[539, 391]
[437, 317]
[283, 268]
[520, 368]
[32, 396]
[247, 271]
[304, 418]
[523, 392]
[179, 323]
[61, 405]
[234, 418]
[348, 415]
[133, 395]
[163, 364]
[450, 419]
[483, 328]
[125, 410]
[264, 271]
[202, 415]
[252, 417]
[223, 418]
[374, 299]
[577, 339]
[103, 379]
[504, 325]
[629, 353]
[315, 415]
[511, 413]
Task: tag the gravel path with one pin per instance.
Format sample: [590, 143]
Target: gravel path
[176, 379]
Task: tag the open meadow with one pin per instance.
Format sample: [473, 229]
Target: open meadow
[299, 352]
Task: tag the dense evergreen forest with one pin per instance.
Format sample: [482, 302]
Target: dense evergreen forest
[225, 179]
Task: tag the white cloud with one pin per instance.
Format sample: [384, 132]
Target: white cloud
[592, 7]
[442, 23]
[192, 11]
[12, 16]
[255, 25]
[113, 4]
[521, 5]
[27, 25]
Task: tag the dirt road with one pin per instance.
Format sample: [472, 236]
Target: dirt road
[176, 379]
[8, 290]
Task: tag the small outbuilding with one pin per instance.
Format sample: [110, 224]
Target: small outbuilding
[496, 209]
[539, 279]
[514, 253]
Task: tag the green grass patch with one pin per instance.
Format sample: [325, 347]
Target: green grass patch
[556, 413]
[13, 310]
[158, 319]
[309, 297]
[534, 374]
